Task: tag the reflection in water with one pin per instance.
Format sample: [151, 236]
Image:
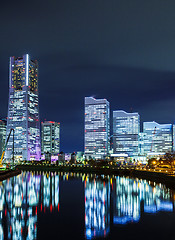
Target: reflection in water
[97, 205]
[20, 198]
[118, 200]
[129, 195]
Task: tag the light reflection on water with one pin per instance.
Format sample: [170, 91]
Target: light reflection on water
[107, 201]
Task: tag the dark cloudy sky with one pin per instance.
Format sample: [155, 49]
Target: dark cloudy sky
[123, 51]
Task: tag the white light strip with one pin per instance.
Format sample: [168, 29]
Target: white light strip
[10, 73]
[27, 69]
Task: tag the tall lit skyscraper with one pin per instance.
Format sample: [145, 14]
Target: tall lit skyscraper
[158, 137]
[50, 137]
[23, 109]
[126, 127]
[97, 128]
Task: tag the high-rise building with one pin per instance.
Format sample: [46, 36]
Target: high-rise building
[97, 128]
[2, 136]
[158, 137]
[23, 109]
[126, 127]
[142, 137]
[50, 137]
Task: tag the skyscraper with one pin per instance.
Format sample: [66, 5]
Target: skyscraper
[23, 109]
[158, 137]
[126, 127]
[50, 137]
[97, 128]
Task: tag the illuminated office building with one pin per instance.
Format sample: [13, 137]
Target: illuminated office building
[2, 135]
[97, 130]
[158, 138]
[126, 128]
[23, 109]
[173, 137]
[50, 137]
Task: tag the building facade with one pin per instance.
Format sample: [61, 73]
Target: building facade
[97, 128]
[158, 138]
[23, 109]
[2, 136]
[126, 128]
[50, 137]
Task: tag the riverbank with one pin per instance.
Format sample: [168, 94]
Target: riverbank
[5, 174]
[158, 177]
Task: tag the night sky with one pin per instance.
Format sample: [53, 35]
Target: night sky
[123, 51]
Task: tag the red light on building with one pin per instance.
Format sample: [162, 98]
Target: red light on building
[58, 207]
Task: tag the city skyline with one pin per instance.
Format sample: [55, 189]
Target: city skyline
[127, 134]
[118, 50]
[87, 120]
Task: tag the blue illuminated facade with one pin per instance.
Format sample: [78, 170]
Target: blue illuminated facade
[158, 138]
[23, 109]
[126, 128]
[97, 128]
[50, 140]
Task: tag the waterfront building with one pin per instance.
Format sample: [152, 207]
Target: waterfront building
[126, 128]
[2, 136]
[61, 156]
[173, 137]
[23, 109]
[50, 132]
[141, 149]
[97, 128]
[80, 156]
[158, 138]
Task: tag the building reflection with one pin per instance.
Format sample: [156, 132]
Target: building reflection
[132, 197]
[26, 198]
[97, 208]
[21, 198]
[121, 200]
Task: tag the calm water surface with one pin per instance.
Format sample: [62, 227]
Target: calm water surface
[70, 206]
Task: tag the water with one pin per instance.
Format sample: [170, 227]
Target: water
[69, 206]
